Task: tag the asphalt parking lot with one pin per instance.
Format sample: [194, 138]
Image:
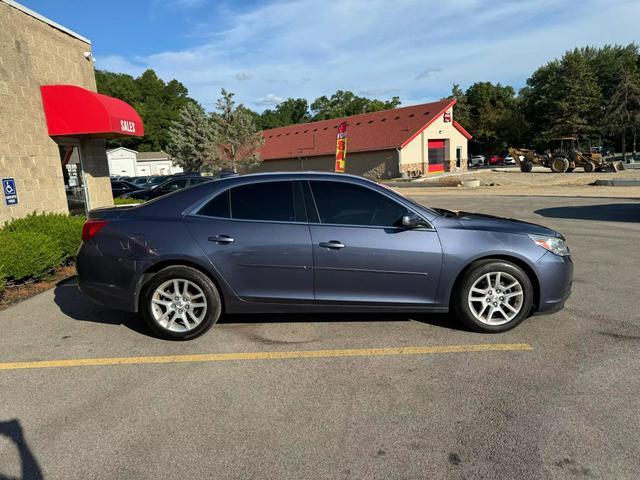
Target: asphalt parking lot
[344, 396]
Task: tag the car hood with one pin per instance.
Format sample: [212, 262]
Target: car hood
[479, 221]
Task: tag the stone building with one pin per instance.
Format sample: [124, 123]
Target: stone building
[409, 141]
[52, 123]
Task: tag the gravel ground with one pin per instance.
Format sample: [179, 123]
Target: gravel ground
[540, 182]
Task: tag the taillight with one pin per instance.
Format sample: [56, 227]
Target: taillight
[91, 227]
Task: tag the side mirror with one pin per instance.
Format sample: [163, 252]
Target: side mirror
[411, 220]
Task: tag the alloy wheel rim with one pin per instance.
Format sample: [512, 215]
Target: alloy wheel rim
[178, 305]
[496, 298]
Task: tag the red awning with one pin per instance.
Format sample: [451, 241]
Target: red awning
[72, 110]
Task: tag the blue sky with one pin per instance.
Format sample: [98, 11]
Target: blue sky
[266, 51]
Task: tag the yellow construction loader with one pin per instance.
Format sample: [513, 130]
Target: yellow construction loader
[565, 156]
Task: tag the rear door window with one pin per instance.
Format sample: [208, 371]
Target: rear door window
[272, 201]
[268, 201]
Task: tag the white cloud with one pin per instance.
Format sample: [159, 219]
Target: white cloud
[269, 100]
[118, 63]
[242, 76]
[314, 48]
[378, 92]
[429, 72]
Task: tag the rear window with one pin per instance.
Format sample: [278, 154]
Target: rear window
[217, 207]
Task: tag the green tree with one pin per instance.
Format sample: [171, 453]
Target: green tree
[190, 138]
[571, 95]
[237, 138]
[289, 112]
[490, 114]
[606, 63]
[461, 108]
[623, 112]
[577, 106]
[345, 103]
[118, 85]
[157, 102]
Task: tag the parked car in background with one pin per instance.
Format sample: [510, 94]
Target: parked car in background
[140, 181]
[509, 160]
[122, 187]
[170, 185]
[121, 177]
[496, 160]
[604, 151]
[155, 180]
[315, 242]
[476, 161]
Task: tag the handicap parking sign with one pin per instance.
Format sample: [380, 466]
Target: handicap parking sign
[10, 192]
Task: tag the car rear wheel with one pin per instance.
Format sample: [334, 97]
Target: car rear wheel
[180, 303]
[495, 296]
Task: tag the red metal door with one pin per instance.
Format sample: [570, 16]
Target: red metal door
[436, 156]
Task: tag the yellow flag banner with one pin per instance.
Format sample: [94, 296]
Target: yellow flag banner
[341, 147]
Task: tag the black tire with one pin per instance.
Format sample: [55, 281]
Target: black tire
[589, 167]
[526, 167]
[559, 165]
[477, 271]
[213, 301]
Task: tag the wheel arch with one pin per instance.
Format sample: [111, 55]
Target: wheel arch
[149, 273]
[535, 283]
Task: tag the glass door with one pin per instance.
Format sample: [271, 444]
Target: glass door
[74, 184]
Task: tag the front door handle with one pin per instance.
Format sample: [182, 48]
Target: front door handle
[333, 244]
[221, 239]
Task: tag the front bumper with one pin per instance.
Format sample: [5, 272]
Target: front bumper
[555, 278]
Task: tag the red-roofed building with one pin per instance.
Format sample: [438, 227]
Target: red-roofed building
[407, 141]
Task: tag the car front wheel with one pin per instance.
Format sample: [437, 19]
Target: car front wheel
[180, 303]
[495, 296]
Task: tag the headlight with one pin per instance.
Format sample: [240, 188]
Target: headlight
[555, 245]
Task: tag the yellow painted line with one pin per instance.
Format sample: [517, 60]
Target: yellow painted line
[224, 357]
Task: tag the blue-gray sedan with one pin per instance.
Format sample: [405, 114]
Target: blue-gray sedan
[316, 242]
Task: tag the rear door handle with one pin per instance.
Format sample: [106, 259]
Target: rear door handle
[221, 239]
[332, 244]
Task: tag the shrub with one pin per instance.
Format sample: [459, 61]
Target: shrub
[3, 281]
[63, 229]
[28, 255]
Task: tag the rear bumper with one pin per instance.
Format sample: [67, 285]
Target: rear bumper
[107, 295]
[555, 276]
[107, 280]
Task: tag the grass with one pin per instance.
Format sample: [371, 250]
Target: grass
[126, 201]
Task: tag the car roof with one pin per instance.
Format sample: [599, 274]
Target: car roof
[298, 176]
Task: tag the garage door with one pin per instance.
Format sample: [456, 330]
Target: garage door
[436, 156]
